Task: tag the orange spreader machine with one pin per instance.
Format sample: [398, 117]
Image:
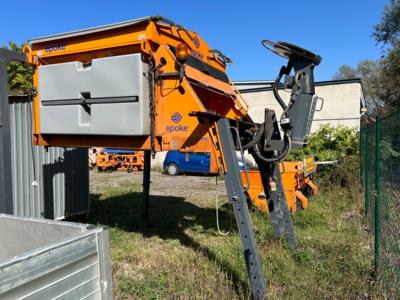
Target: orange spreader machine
[117, 160]
[297, 181]
[151, 84]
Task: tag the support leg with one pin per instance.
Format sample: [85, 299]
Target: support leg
[280, 197]
[281, 219]
[237, 198]
[146, 183]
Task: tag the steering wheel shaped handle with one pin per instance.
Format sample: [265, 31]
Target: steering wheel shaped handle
[291, 51]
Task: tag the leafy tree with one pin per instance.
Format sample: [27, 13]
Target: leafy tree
[19, 75]
[346, 72]
[388, 30]
[390, 77]
[380, 78]
[387, 33]
[369, 71]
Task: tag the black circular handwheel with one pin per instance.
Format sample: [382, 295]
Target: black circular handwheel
[172, 169]
[291, 51]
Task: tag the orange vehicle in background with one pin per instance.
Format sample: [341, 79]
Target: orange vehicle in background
[297, 179]
[119, 160]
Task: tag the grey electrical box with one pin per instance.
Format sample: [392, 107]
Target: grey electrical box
[109, 96]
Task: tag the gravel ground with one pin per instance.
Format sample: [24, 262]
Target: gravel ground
[189, 187]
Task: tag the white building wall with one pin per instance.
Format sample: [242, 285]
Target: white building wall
[341, 104]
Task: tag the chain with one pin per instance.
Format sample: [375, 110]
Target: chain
[151, 79]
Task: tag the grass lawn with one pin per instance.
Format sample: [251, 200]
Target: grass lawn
[178, 253]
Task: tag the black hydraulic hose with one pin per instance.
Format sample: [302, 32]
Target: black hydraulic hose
[284, 71]
[282, 156]
[255, 140]
[276, 94]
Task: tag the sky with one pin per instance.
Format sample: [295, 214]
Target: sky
[338, 30]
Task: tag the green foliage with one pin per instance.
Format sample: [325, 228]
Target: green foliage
[390, 76]
[387, 151]
[329, 143]
[388, 30]
[19, 75]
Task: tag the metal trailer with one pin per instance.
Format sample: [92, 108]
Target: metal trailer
[42, 259]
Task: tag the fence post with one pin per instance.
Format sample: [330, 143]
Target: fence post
[377, 193]
[366, 194]
[361, 155]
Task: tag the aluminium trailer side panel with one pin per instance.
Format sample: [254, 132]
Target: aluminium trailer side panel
[43, 259]
[51, 183]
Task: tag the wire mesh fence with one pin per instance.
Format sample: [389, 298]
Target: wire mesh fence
[380, 177]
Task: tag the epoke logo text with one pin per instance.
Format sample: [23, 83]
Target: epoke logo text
[177, 128]
[57, 47]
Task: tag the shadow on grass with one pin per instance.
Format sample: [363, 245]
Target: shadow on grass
[168, 219]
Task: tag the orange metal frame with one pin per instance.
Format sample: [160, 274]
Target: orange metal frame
[196, 91]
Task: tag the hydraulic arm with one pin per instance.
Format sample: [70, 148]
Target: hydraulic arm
[152, 85]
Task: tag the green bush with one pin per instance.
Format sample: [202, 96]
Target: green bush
[329, 143]
[19, 75]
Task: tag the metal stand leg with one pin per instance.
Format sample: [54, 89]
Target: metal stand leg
[286, 220]
[146, 183]
[281, 219]
[237, 198]
[6, 197]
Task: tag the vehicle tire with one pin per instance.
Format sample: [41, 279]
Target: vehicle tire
[172, 169]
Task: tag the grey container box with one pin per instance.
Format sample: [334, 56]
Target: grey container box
[42, 259]
[52, 183]
[108, 97]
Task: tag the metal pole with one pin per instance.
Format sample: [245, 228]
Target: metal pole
[377, 193]
[361, 154]
[6, 204]
[6, 197]
[366, 195]
[146, 183]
